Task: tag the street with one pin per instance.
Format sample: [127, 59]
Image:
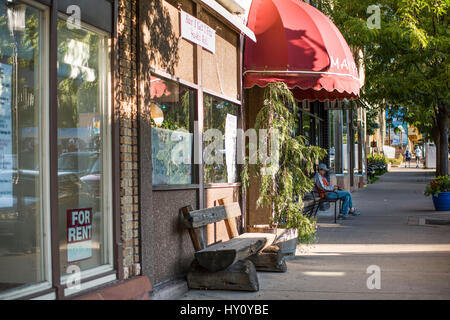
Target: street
[413, 256]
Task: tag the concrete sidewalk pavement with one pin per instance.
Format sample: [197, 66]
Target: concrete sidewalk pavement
[413, 257]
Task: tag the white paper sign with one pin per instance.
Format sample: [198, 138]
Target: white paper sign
[230, 146]
[198, 32]
[6, 157]
[79, 234]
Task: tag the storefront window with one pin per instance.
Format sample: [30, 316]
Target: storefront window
[172, 132]
[317, 132]
[22, 213]
[223, 116]
[356, 151]
[345, 142]
[332, 119]
[83, 153]
[362, 144]
[307, 127]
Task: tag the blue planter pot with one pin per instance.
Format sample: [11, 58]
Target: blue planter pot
[442, 201]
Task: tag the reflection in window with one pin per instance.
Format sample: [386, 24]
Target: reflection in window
[317, 132]
[83, 59]
[345, 149]
[21, 217]
[172, 132]
[332, 119]
[356, 150]
[223, 116]
[306, 127]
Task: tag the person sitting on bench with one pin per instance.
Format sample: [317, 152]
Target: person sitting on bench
[333, 192]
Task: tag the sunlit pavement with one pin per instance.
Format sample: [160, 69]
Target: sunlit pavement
[413, 257]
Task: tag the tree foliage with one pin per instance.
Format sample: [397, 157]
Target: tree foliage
[282, 190]
[406, 60]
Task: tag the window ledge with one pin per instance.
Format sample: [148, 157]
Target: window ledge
[222, 185]
[168, 187]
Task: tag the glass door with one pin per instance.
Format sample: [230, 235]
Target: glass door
[84, 170]
[24, 215]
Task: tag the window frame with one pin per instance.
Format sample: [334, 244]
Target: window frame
[195, 179]
[101, 274]
[53, 287]
[45, 219]
[238, 105]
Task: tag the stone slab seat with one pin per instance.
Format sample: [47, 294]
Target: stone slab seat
[221, 255]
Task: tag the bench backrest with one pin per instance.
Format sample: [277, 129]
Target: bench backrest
[202, 217]
[195, 219]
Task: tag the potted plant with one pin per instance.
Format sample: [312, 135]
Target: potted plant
[281, 190]
[439, 189]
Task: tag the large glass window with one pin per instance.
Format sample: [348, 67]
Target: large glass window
[363, 141]
[332, 119]
[317, 132]
[172, 116]
[356, 137]
[83, 148]
[345, 142]
[220, 115]
[307, 127]
[22, 213]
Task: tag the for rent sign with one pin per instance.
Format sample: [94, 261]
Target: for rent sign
[198, 32]
[79, 234]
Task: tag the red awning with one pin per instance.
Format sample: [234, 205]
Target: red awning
[297, 44]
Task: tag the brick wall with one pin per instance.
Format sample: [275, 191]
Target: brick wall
[129, 152]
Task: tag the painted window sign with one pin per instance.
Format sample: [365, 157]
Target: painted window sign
[400, 133]
[79, 234]
[6, 156]
[194, 30]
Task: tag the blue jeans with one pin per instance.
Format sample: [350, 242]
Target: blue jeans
[346, 199]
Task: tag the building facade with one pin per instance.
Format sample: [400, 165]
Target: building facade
[106, 124]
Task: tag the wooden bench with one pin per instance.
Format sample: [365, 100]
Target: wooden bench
[232, 264]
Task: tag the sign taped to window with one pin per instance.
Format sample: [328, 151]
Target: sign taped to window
[6, 155]
[79, 234]
[198, 32]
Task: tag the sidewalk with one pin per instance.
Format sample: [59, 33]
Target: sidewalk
[413, 257]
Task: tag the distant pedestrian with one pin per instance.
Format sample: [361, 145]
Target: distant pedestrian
[418, 153]
[408, 157]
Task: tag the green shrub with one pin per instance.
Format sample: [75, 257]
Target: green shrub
[396, 161]
[377, 158]
[438, 185]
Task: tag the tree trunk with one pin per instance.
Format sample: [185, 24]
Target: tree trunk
[443, 140]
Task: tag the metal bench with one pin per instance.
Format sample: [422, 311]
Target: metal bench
[310, 204]
[322, 200]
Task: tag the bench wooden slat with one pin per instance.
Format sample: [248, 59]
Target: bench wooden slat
[223, 254]
[195, 233]
[270, 237]
[202, 217]
[233, 210]
[230, 223]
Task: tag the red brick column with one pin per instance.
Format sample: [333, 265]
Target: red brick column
[129, 153]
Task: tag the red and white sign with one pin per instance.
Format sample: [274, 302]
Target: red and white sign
[198, 32]
[79, 234]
